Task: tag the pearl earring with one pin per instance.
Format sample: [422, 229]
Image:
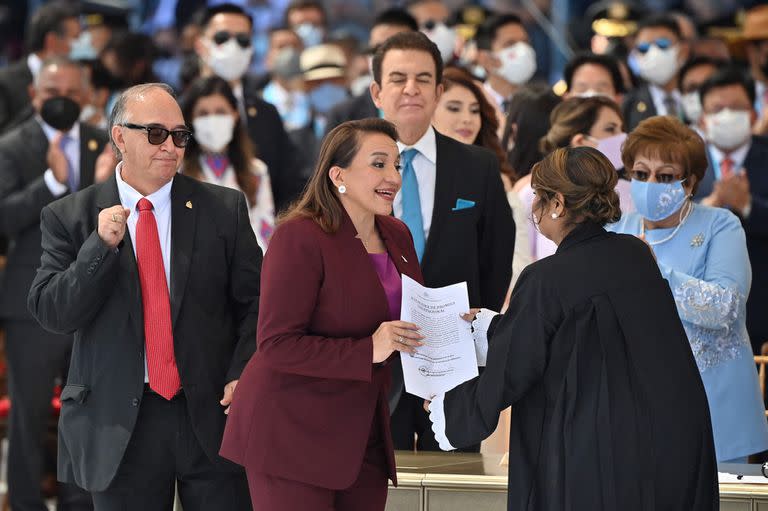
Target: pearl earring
[554, 216]
[342, 189]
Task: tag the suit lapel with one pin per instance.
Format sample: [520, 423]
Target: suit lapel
[89, 151]
[33, 145]
[395, 252]
[129, 274]
[183, 223]
[445, 177]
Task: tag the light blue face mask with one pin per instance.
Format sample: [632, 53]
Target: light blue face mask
[82, 47]
[310, 35]
[657, 201]
[326, 96]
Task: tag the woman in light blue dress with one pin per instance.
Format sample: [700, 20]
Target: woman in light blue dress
[702, 253]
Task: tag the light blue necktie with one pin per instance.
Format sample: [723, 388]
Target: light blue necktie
[411, 201]
[72, 180]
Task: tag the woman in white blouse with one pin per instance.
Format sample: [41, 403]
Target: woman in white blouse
[222, 154]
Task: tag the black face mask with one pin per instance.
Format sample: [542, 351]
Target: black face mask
[60, 113]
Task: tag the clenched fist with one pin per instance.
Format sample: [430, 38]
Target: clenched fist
[112, 224]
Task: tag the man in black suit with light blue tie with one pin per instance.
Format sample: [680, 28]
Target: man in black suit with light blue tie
[452, 200]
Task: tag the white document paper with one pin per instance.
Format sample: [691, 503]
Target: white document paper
[447, 357]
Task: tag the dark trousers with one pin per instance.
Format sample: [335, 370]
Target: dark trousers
[412, 429]
[164, 452]
[35, 358]
[368, 493]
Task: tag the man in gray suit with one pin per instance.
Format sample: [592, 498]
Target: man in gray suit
[45, 157]
[157, 276]
[50, 33]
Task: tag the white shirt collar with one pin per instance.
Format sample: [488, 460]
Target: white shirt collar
[426, 145]
[34, 63]
[129, 196]
[737, 156]
[50, 131]
[658, 94]
[495, 95]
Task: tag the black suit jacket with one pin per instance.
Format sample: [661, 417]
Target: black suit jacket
[23, 193]
[638, 105]
[359, 107]
[84, 287]
[756, 228]
[475, 244]
[14, 94]
[273, 146]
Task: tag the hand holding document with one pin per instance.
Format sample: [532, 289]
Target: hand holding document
[448, 355]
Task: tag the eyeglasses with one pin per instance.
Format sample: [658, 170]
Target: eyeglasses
[644, 175]
[662, 43]
[157, 135]
[242, 38]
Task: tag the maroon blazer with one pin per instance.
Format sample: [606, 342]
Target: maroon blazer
[305, 402]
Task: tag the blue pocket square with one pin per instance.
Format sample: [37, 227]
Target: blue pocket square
[463, 204]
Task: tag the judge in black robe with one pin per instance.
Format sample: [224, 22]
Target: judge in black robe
[608, 408]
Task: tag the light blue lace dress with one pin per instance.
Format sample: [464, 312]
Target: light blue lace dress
[708, 270]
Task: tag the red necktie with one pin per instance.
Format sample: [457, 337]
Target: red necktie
[726, 168]
[158, 333]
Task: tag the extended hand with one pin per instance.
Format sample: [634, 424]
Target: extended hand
[470, 316]
[229, 393]
[394, 336]
[112, 225]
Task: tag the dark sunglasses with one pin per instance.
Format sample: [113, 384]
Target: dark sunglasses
[157, 135]
[644, 175]
[662, 42]
[242, 38]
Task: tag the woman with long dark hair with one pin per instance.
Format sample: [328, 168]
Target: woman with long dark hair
[221, 152]
[310, 419]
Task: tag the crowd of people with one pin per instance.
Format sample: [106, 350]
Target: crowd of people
[611, 231]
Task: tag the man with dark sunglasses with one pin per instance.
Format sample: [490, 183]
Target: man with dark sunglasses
[157, 275]
[225, 50]
[658, 54]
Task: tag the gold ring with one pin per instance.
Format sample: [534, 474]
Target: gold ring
[115, 217]
[401, 340]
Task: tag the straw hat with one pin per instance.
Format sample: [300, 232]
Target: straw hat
[322, 62]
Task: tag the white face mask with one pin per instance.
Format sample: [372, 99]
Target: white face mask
[691, 106]
[518, 63]
[214, 132]
[590, 94]
[658, 66]
[444, 38]
[229, 60]
[728, 129]
[310, 35]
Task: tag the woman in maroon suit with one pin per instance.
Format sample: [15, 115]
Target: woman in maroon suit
[310, 420]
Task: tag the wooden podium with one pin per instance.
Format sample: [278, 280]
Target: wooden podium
[435, 481]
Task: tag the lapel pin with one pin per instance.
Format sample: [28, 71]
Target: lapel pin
[252, 111]
[92, 145]
[697, 240]
[641, 107]
[404, 259]
[189, 204]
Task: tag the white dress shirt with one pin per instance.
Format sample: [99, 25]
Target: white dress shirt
[161, 202]
[72, 152]
[35, 64]
[737, 156]
[658, 94]
[425, 167]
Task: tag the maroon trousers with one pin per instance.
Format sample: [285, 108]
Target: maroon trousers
[368, 492]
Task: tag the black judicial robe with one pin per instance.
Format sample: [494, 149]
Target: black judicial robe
[608, 408]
